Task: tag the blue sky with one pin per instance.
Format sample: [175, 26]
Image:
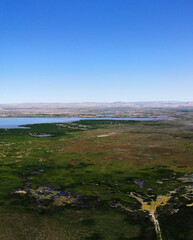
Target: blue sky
[96, 50]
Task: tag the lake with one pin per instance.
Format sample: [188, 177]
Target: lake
[20, 122]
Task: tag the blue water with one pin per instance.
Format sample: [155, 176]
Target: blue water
[44, 135]
[20, 122]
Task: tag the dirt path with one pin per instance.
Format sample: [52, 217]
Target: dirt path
[151, 208]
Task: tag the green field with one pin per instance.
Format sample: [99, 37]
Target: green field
[78, 184]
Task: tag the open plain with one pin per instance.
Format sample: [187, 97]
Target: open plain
[99, 179]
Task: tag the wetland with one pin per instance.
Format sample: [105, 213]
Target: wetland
[97, 179]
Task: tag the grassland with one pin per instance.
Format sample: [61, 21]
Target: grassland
[78, 183]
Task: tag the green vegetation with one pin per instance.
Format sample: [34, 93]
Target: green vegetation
[76, 184]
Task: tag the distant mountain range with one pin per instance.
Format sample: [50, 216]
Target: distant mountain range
[156, 104]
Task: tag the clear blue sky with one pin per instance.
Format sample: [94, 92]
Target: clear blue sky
[96, 50]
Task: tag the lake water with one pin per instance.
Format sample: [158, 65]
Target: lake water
[20, 122]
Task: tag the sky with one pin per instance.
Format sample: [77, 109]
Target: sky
[96, 50]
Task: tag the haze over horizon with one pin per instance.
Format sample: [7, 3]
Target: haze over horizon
[97, 104]
[96, 51]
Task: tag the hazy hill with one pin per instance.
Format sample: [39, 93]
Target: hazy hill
[158, 104]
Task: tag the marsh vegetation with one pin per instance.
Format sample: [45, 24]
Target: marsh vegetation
[97, 179]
